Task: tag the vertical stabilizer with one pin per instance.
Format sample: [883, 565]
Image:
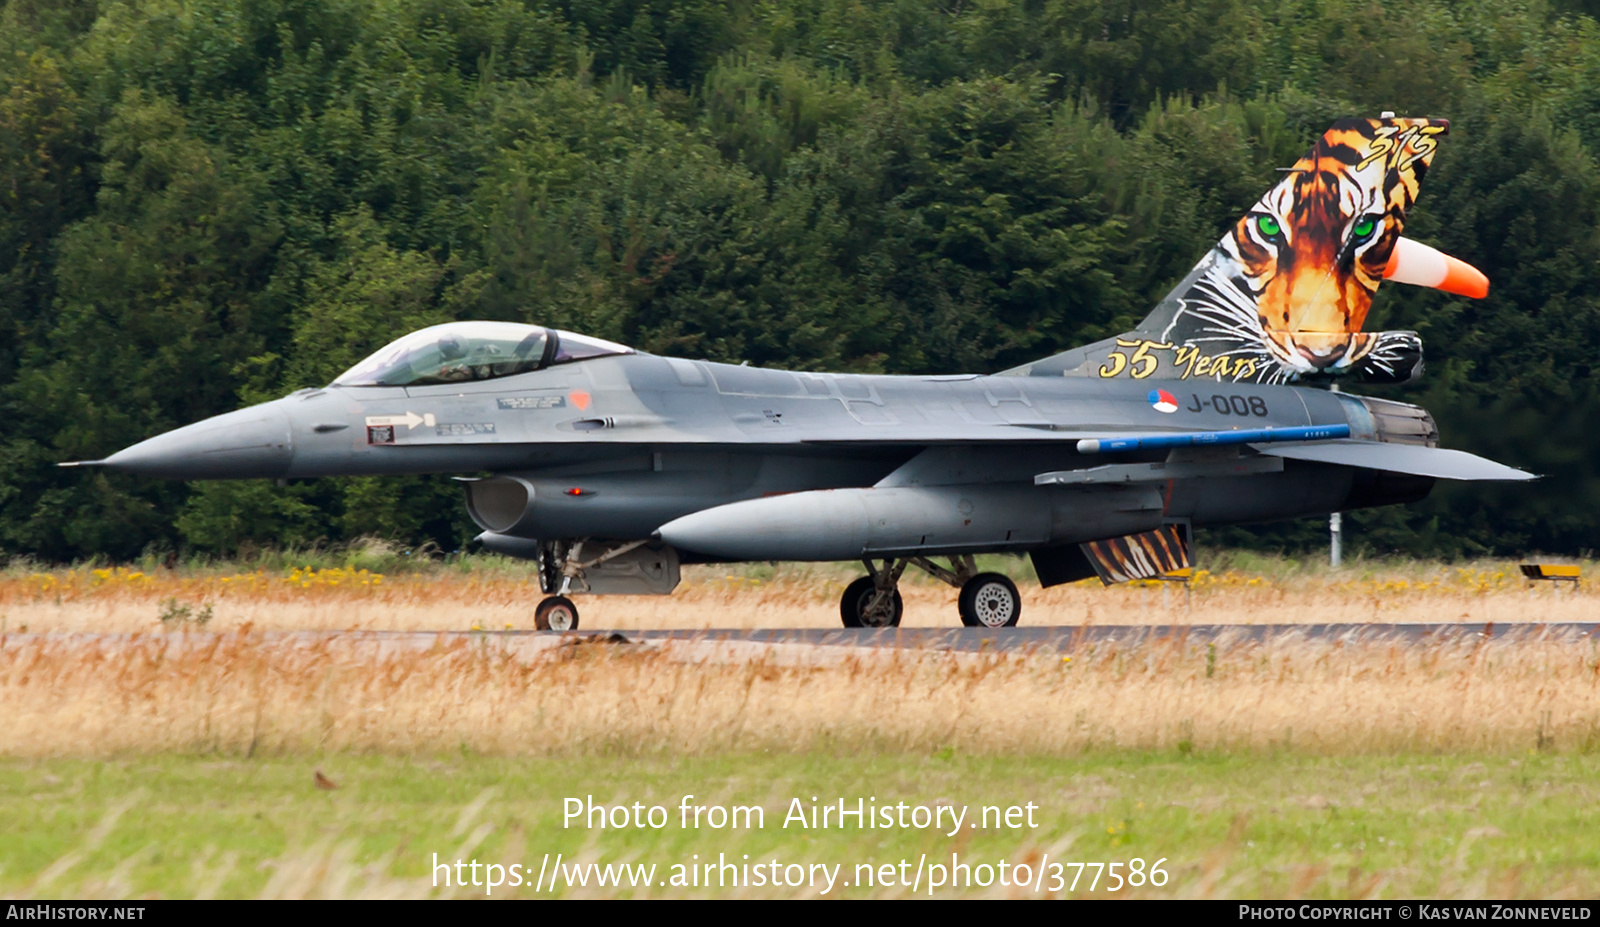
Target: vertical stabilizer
[1285, 293]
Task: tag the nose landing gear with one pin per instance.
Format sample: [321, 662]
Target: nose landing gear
[562, 570]
[556, 613]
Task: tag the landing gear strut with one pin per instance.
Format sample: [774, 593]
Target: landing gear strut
[988, 600]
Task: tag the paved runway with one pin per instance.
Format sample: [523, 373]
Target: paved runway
[964, 640]
[1059, 639]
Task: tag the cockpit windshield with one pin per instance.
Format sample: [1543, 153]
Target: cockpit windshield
[459, 351]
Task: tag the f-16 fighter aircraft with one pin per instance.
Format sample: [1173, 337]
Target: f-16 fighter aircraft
[610, 467]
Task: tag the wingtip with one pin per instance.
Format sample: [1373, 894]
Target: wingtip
[81, 463]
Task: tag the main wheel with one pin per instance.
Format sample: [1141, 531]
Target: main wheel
[990, 600]
[556, 613]
[856, 606]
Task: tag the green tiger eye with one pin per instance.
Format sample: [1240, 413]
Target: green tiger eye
[1364, 228]
[1268, 226]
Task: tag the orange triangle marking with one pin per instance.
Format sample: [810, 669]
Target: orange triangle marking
[580, 399]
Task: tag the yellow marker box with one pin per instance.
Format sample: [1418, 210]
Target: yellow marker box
[1552, 571]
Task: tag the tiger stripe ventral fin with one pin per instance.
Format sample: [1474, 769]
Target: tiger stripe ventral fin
[1146, 555]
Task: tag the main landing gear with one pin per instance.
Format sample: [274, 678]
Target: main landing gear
[873, 601]
[988, 600]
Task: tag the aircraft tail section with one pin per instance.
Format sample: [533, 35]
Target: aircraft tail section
[1285, 293]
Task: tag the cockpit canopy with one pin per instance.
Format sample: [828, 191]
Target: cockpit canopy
[459, 351]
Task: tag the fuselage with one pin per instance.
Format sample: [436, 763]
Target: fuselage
[616, 446]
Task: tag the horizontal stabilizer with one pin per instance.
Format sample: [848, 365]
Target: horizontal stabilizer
[1415, 459]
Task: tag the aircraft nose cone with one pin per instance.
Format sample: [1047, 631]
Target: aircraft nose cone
[251, 443]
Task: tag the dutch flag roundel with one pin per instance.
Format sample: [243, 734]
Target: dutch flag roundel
[1163, 401]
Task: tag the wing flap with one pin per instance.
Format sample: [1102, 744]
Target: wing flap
[1415, 459]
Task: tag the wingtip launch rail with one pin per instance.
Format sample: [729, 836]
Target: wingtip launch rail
[1212, 438]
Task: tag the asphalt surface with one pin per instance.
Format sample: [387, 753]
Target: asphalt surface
[1060, 639]
[969, 640]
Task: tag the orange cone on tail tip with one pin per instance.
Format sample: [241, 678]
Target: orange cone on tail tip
[1415, 263]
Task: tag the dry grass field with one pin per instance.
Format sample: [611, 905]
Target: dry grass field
[206, 679]
[244, 693]
[176, 759]
[494, 594]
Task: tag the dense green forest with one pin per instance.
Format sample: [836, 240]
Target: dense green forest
[205, 203]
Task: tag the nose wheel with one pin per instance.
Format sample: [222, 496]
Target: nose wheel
[556, 613]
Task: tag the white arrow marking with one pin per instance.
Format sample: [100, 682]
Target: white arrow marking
[410, 420]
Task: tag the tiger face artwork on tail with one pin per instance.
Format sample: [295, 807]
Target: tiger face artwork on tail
[1291, 283]
[1285, 294]
[1313, 250]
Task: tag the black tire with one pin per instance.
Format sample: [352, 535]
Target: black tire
[990, 600]
[556, 613]
[857, 596]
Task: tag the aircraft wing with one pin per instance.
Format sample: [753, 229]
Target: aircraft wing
[1437, 462]
[1325, 444]
[1320, 443]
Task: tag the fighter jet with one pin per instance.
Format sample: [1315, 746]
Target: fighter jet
[611, 467]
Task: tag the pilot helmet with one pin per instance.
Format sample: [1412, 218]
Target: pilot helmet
[451, 348]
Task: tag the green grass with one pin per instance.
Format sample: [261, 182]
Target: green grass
[1228, 825]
